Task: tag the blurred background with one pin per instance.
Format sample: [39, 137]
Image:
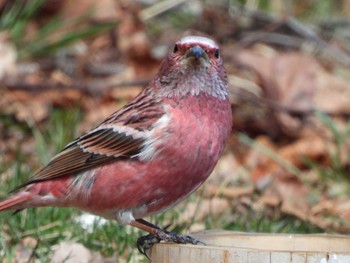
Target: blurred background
[66, 65]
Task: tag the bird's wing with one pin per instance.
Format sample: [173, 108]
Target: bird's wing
[121, 135]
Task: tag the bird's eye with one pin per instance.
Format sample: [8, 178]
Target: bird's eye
[217, 53]
[176, 48]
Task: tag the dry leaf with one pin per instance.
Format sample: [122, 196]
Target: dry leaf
[297, 83]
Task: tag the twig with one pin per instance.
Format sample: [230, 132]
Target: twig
[271, 38]
[92, 87]
[289, 24]
[279, 107]
[324, 46]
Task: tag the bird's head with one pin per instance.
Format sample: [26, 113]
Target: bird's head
[196, 52]
[194, 65]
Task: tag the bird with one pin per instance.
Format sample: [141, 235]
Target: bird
[147, 156]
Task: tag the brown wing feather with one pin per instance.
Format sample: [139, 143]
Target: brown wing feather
[106, 143]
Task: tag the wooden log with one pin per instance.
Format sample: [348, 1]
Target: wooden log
[237, 247]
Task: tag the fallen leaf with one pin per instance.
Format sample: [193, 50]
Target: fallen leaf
[294, 82]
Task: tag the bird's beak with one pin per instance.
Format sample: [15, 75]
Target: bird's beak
[195, 52]
[197, 56]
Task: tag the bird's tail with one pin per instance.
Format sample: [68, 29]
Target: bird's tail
[15, 201]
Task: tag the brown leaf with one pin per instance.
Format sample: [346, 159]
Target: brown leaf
[265, 169]
[295, 82]
[103, 10]
[281, 187]
[133, 42]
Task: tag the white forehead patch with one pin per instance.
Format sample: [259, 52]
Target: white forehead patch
[199, 40]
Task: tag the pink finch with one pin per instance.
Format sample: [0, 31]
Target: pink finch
[149, 155]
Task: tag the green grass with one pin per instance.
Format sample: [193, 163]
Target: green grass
[269, 222]
[18, 14]
[339, 154]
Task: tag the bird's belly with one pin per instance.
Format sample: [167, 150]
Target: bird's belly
[184, 159]
[145, 187]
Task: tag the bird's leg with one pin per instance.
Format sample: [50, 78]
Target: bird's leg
[157, 234]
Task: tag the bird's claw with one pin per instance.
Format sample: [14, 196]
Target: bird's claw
[146, 242]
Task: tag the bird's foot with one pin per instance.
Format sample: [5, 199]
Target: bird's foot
[146, 242]
[157, 234]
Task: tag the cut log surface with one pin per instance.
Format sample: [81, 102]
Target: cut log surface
[237, 247]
